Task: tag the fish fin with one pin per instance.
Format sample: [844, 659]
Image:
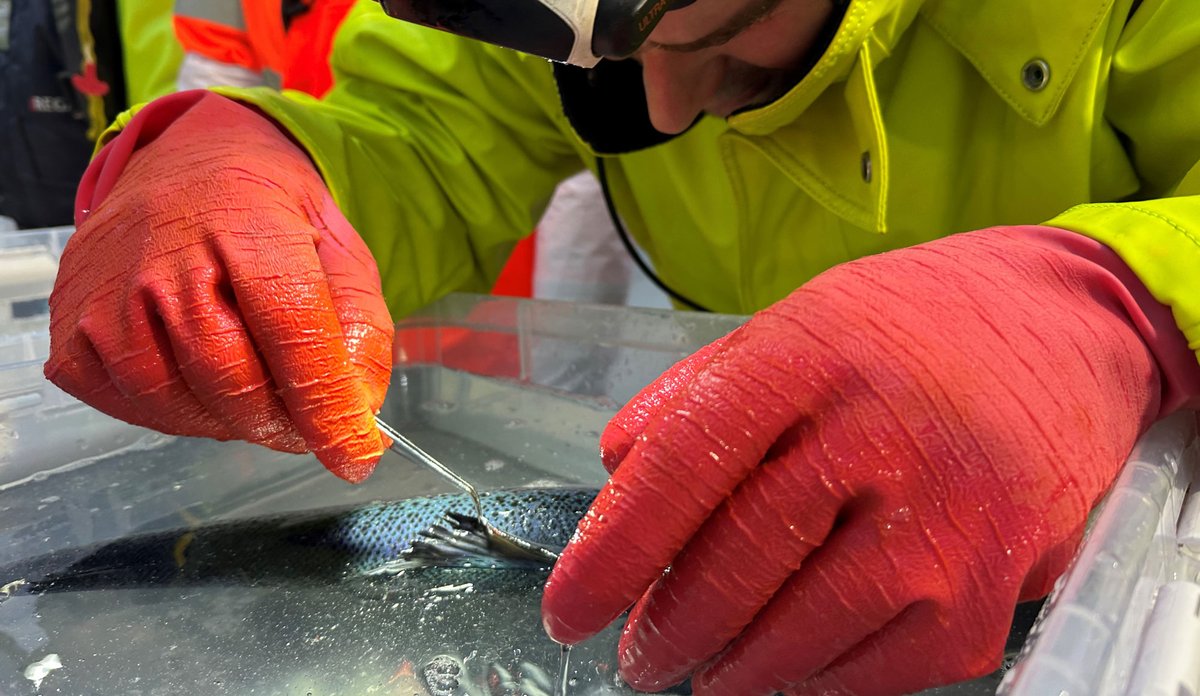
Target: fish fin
[460, 541]
[16, 588]
[432, 552]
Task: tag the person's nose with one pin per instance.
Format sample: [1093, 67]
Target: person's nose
[677, 87]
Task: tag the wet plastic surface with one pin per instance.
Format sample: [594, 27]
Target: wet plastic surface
[1125, 619]
[71, 478]
[509, 393]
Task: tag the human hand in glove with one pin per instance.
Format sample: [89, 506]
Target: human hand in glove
[214, 289]
[851, 492]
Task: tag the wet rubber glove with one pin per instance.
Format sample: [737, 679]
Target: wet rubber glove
[214, 289]
[853, 490]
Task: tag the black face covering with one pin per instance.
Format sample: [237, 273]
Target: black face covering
[606, 106]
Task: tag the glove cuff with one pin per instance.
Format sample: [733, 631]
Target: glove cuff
[1178, 367]
[145, 126]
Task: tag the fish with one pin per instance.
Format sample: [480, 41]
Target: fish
[322, 546]
[327, 601]
[331, 601]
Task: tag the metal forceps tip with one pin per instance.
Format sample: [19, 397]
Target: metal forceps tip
[499, 540]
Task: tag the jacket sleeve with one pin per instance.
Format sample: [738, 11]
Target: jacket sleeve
[1154, 100]
[440, 151]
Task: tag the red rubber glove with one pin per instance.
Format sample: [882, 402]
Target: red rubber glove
[853, 490]
[213, 289]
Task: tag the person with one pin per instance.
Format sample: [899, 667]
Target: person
[967, 232]
[64, 81]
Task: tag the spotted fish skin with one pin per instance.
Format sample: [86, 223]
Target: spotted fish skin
[321, 546]
[378, 533]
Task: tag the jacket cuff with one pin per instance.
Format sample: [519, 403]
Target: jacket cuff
[1159, 240]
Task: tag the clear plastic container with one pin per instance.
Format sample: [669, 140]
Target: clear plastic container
[511, 393]
[28, 263]
[1126, 618]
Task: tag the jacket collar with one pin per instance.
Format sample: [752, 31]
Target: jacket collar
[1000, 40]
[869, 29]
[841, 139]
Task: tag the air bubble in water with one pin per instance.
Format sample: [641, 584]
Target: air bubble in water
[37, 671]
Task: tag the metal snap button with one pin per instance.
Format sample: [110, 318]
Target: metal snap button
[1035, 75]
[866, 166]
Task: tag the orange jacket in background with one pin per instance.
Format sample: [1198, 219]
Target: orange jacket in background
[291, 52]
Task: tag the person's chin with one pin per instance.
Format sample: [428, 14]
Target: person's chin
[758, 95]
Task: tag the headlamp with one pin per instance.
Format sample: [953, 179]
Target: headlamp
[579, 32]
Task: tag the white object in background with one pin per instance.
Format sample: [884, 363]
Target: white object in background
[579, 255]
[26, 279]
[197, 72]
[7, 224]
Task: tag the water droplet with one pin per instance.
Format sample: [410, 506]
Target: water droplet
[564, 659]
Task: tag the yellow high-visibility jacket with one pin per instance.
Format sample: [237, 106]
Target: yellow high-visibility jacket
[151, 53]
[922, 118]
